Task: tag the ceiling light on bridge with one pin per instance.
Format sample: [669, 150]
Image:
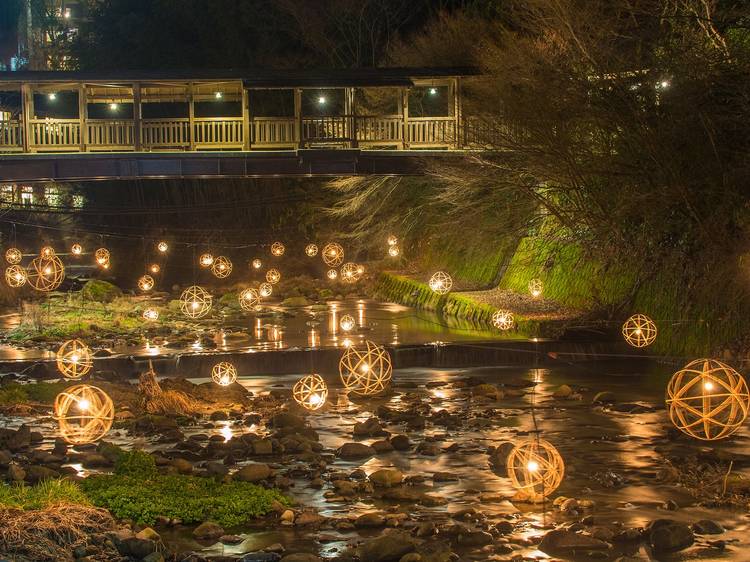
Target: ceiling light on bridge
[433, 91]
[52, 96]
[218, 95]
[321, 100]
[113, 106]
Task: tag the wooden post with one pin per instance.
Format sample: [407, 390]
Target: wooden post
[352, 118]
[191, 106]
[137, 116]
[298, 115]
[27, 104]
[82, 111]
[245, 118]
[456, 87]
[405, 113]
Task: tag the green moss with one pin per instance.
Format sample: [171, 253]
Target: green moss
[295, 302]
[39, 496]
[475, 264]
[100, 291]
[42, 392]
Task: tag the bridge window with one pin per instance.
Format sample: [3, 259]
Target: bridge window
[430, 101]
[56, 104]
[27, 195]
[271, 103]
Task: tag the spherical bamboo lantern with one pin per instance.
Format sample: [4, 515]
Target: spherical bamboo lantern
[151, 314]
[84, 414]
[310, 392]
[206, 260]
[639, 330]
[195, 302]
[13, 255]
[265, 290]
[392, 240]
[367, 370]
[154, 268]
[535, 288]
[257, 264]
[273, 276]
[277, 249]
[224, 373]
[350, 272]
[347, 322]
[47, 252]
[102, 255]
[145, 283]
[441, 282]
[249, 299]
[15, 276]
[708, 400]
[311, 250]
[74, 359]
[394, 251]
[163, 247]
[333, 254]
[503, 320]
[535, 468]
[221, 267]
[332, 274]
[76, 249]
[45, 274]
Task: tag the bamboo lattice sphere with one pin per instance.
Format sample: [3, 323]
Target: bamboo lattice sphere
[145, 283]
[154, 268]
[365, 371]
[13, 255]
[221, 267]
[101, 255]
[311, 250]
[503, 320]
[535, 468]
[224, 373]
[277, 249]
[707, 399]
[639, 330]
[151, 314]
[15, 276]
[162, 246]
[47, 251]
[206, 260]
[257, 264]
[441, 282]
[249, 299]
[392, 240]
[333, 254]
[273, 276]
[265, 290]
[74, 359]
[84, 414]
[76, 249]
[310, 392]
[332, 274]
[535, 287]
[347, 322]
[350, 272]
[195, 302]
[394, 251]
[46, 274]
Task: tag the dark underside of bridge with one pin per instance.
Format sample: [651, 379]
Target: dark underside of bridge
[255, 164]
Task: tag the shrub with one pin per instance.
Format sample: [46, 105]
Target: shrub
[100, 291]
[42, 495]
[136, 464]
[42, 392]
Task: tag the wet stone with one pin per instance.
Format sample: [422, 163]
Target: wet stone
[667, 536]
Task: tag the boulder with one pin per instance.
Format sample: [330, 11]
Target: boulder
[254, 472]
[488, 391]
[286, 420]
[370, 520]
[708, 527]
[605, 397]
[182, 466]
[563, 391]
[36, 474]
[386, 477]
[208, 530]
[401, 442]
[666, 535]
[563, 541]
[389, 547]
[355, 451]
[369, 428]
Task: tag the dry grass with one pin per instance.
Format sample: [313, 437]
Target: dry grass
[158, 401]
[50, 534]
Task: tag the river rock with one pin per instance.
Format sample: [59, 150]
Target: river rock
[261, 557]
[605, 397]
[182, 466]
[563, 391]
[369, 428]
[499, 456]
[355, 451]
[208, 530]
[401, 442]
[301, 557]
[253, 472]
[488, 391]
[16, 473]
[666, 535]
[562, 541]
[389, 547]
[263, 447]
[386, 477]
[286, 420]
[148, 534]
[708, 527]
[382, 446]
[36, 474]
[370, 520]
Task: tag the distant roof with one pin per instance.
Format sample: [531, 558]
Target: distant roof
[252, 78]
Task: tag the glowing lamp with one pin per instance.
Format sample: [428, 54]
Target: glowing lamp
[535, 288]
[221, 267]
[206, 260]
[218, 95]
[52, 96]
[195, 302]
[277, 249]
[47, 252]
[639, 330]
[392, 240]
[433, 91]
[162, 247]
[273, 276]
[311, 250]
[351, 272]
[13, 255]
[15, 276]
[394, 251]
[333, 254]
[535, 469]
[347, 322]
[503, 320]
[154, 268]
[257, 264]
[332, 274]
[310, 392]
[249, 299]
[145, 283]
[76, 249]
[367, 370]
[74, 359]
[321, 100]
[46, 274]
[441, 282]
[224, 373]
[102, 256]
[265, 290]
[84, 414]
[151, 314]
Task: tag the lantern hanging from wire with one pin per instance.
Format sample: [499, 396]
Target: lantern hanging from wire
[311, 250]
[84, 414]
[347, 322]
[441, 282]
[257, 264]
[45, 274]
[74, 359]
[392, 240]
[163, 247]
[47, 252]
[145, 283]
[333, 254]
[350, 272]
[102, 257]
[332, 274]
[535, 469]
[76, 249]
[503, 320]
[224, 373]
[277, 249]
[365, 370]
[273, 276]
[221, 267]
[15, 276]
[265, 290]
[394, 251]
[639, 330]
[13, 256]
[310, 392]
[249, 299]
[206, 260]
[535, 288]
[151, 314]
[195, 302]
[708, 400]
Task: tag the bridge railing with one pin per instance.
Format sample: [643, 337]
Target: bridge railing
[218, 132]
[274, 132]
[105, 134]
[56, 134]
[11, 136]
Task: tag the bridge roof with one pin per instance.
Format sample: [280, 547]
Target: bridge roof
[251, 78]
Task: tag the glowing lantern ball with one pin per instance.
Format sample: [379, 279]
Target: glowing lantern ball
[351, 272]
[13, 255]
[45, 274]
[333, 254]
[195, 302]
[221, 267]
[392, 240]
[146, 283]
[151, 314]
[224, 373]
[84, 414]
[347, 322]
[76, 249]
[257, 264]
[310, 392]
[206, 260]
[707, 400]
[273, 276]
[332, 274]
[365, 371]
[311, 250]
[15, 276]
[47, 252]
[102, 255]
[265, 290]
[535, 468]
[154, 268]
[249, 299]
[74, 359]
[639, 330]
[162, 246]
[277, 249]
[394, 251]
[535, 288]
[503, 320]
[441, 282]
